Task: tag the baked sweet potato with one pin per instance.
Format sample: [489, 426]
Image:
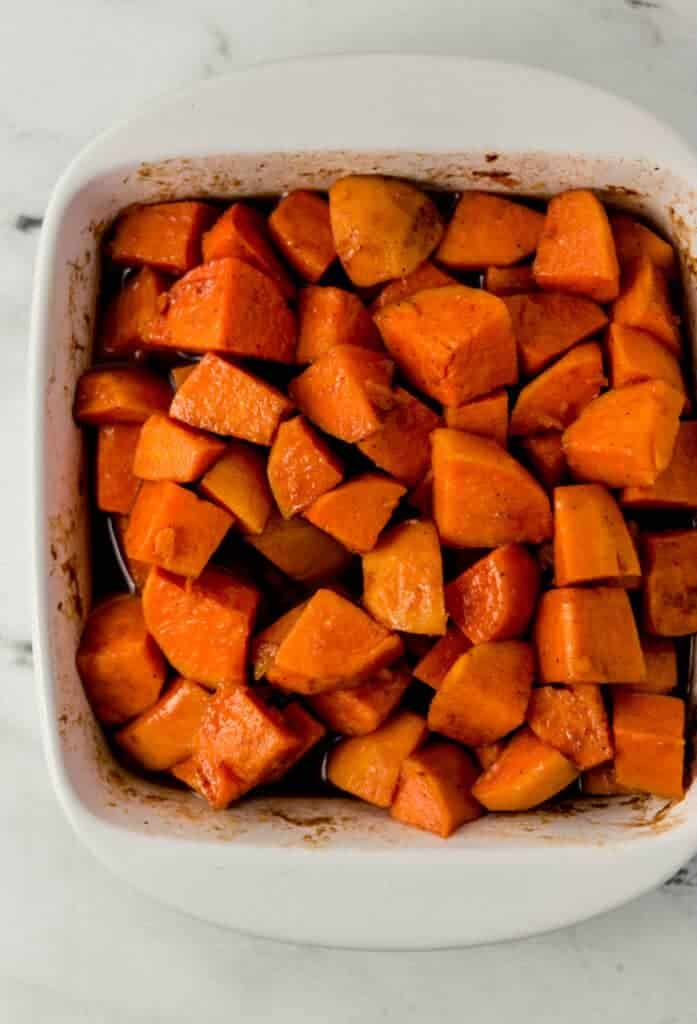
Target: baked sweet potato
[676, 486]
[299, 549]
[486, 417]
[359, 710]
[635, 356]
[633, 240]
[434, 789]
[164, 735]
[661, 660]
[494, 599]
[488, 753]
[547, 324]
[509, 280]
[591, 539]
[163, 235]
[669, 561]
[434, 666]
[178, 374]
[527, 773]
[644, 303]
[238, 482]
[329, 317]
[602, 781]
[403, 579]
[116, 483]
[307, 730]
[130, 315]
[426, 275]
[489, 230]
[545, 455]
[242, 232]
[356, 513]
[301, 467]
[301, 229]
[557, 397]
[649, 743]
[168, 450]
[120, 395]
[572, 719]
[401, 446]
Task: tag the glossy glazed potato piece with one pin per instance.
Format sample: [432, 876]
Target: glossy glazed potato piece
[168, 450]
[332, 644]
[555, 398]
[547, 324]
[486, 417]
[242, 232]
[488, 753]
[329, 317]
[587, 636]
[299, 549]
[545, 454]
[602, 781]
[485, 694]
[661, 660]
[401, 446]
[307, 730]
[301, 467]
[362, 709]
[164, 735]
[226, 306]
[369, 766]
[301, 229]
[238, 482]
[591, 539]
[482, 497]
[454, 343]
[576, 252]
[494, 599]
[164, 235]
[676, 487]
[346, 392]
[644, 303]
[266, 643]
[116, 484]
[486, 229]
[130, 314]
[403, 579]
[649, 743]
[120, 395]
[636, 356]
[509, 280]
[178, 374]
[121, 667]
[382, 228]
[669, 560]
[172, 528]
[633, 240]
[225, 399]
[572, 719]
[527, 773]
[434, 789]
[426, 275]
[356, 513]
[437, 662]
[203, 625]
[626, 436]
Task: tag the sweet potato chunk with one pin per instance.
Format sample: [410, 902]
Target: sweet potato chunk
[299, 549]
[560, 393]
[203, 625]
[242, 232]
[369, 766]
[587, 636]
[170, 527]
[591, 539]
[494, 599]
[576, 252]
[572, 719]
[636, 356]
[168, 450]
[482, 497]
[116, 484]
[301, 229]
[485, 694]
[626, 436]
[454, 343]
[226, 399]
[437, 662]
[661, 665]
[426, 275]
[356, 513]
[131, 313]
[547, 324]
[488, 753]
[163, 235]
[329, 317]
[119, 663]
[346, 392]
[307, 730]
[434, 789]
[238, 482]
[676, 487]
[602, 781]
[644, 303]
[633, 240]
[178, 374]
[301, 467]
[266, 643]
[545, 453]
[649, 743]
[120, 395]
[382, 228]
[670, 582]
[526, 774]
[332, 644]
[509, 280]
[403, 579]
[486, 417]
[401, 446]
[362, 709]
[164, 734]
[486, 229]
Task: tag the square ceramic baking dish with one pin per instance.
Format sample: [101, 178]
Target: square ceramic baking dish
[329, 871]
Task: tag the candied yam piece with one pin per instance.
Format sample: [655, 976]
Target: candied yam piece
[572, 719]
[130, 314]
[509, 280]
[576, 251]
[649, 743]
[676, 486]
[547, 324]
[487, 753]
[602, 781]
[225, 399]
[301, 467]
[329, 317]
[116, 483]
[527, 773]
[164, 235]
[362, 709]
[164, 735]
[266, 643]
[661, 660]
[555, 398]
[494, 599]
[382, 228]
[369, 766]
[437, 662]
[434, 789]
[187, 772]
[242, 232]
[454, 343]
[670, 582]
[401, 445]
[172, 528]
[587, 635]
[482, 497]
[299, 549]
[356, 513]
[626, 436]
[403, 579]
[487, 229]
[644, 303]
[633, 240]
[203, 625]
[238, 482]
[120, 395]
[346, 392]
[121, 667]
[179, 374]
[636, 356]
[486, 417]
[332, 644]
[300, 227]
[226, 306]
[545, 453]
[426, 275]
[591, 539]
[307, 730]
[168, 450]
[485, 694]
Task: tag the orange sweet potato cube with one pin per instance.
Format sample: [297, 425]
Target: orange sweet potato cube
[437, 662]
[670, 582]
[300, 228]
[426, 275]
[487, 229]
[547, 324]
[358, 710]
[591, 539]
[266, 643]
[116, 483]
[164, 735]
[130, 315]
[495, 598]
[488, 753]
[301, 467]
[527, 773]
[555, 398]
[486, 417]
[168, 450]
[307, 730]
[178, 374]
[509, 280]
[401, 445]
[242, 232]
[644, 303]
[299, 549]
[403, 579]
[545, 454]
[329, 317]
[120, 395]
[434, 789]
[572, 719]
[661, 660]
[636, 356]
[649, 743]
[355, 513]
[633, 240]
[602, 781]
[163, 235]
[676, 486]
[238, 482]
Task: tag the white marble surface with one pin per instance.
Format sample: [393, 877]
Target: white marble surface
[75, 944]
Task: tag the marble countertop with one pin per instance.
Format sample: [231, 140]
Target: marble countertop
[76, 944]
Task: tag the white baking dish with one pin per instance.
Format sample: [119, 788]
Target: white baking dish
[329, 871]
